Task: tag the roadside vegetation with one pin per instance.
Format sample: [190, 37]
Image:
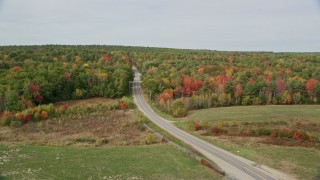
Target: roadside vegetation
[284, 137]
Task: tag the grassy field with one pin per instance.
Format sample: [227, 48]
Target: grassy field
[98, 144]
[307, 113]
[301, 159]
[300, 162]
[129, 162]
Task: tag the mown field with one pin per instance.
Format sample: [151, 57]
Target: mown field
[305, 113]
[264, 134]
[129, 162]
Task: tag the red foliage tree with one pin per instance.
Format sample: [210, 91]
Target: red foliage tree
[310, 85]
[220, 83]
[166, 95]
[39, 99]
[238, 91]
[280, 86]
[201, 69]
[190, 85]
[267, 80]
[252, 81]
[106, 57]
[34, 88]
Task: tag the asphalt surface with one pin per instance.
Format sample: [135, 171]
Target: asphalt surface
[234, 166]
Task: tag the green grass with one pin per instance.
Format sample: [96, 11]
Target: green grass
[147, 162]
[308, 113]
[300, 161]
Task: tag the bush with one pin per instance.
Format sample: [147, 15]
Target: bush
[189, 125]
[204, 124]
[261, 132]
[128, 101]
[196, 126]
[246, 100]
[178, 109]
[44, 115]
[101, 141]
[15, 123]
[4, 121]
[150, 139]
[122, 105]
[50, 109]
[36, 116]
[218, 124]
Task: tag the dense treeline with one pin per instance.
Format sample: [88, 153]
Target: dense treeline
[201, 79]
[176, 79]
[32, 75]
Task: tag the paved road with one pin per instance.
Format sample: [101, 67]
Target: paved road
[234, 166]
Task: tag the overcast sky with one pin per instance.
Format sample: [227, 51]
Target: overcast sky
[254, 25]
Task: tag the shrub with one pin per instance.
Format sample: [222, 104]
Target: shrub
[204, 124]
[49, 108]
[123, 105]
[150, 139]
[189, 125]
[261, 132]
[196, 126]
[101, 141]
[26, 118]
[218, 124]
[306, 136]
[19, 116]
[178, 109]
[297, 135]
[128, 101]
[4, 121]
[297, 98]
[285, 98]
[36, 116]
[65, 106]
[44, 115]
[246, 100]
[15, 123]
